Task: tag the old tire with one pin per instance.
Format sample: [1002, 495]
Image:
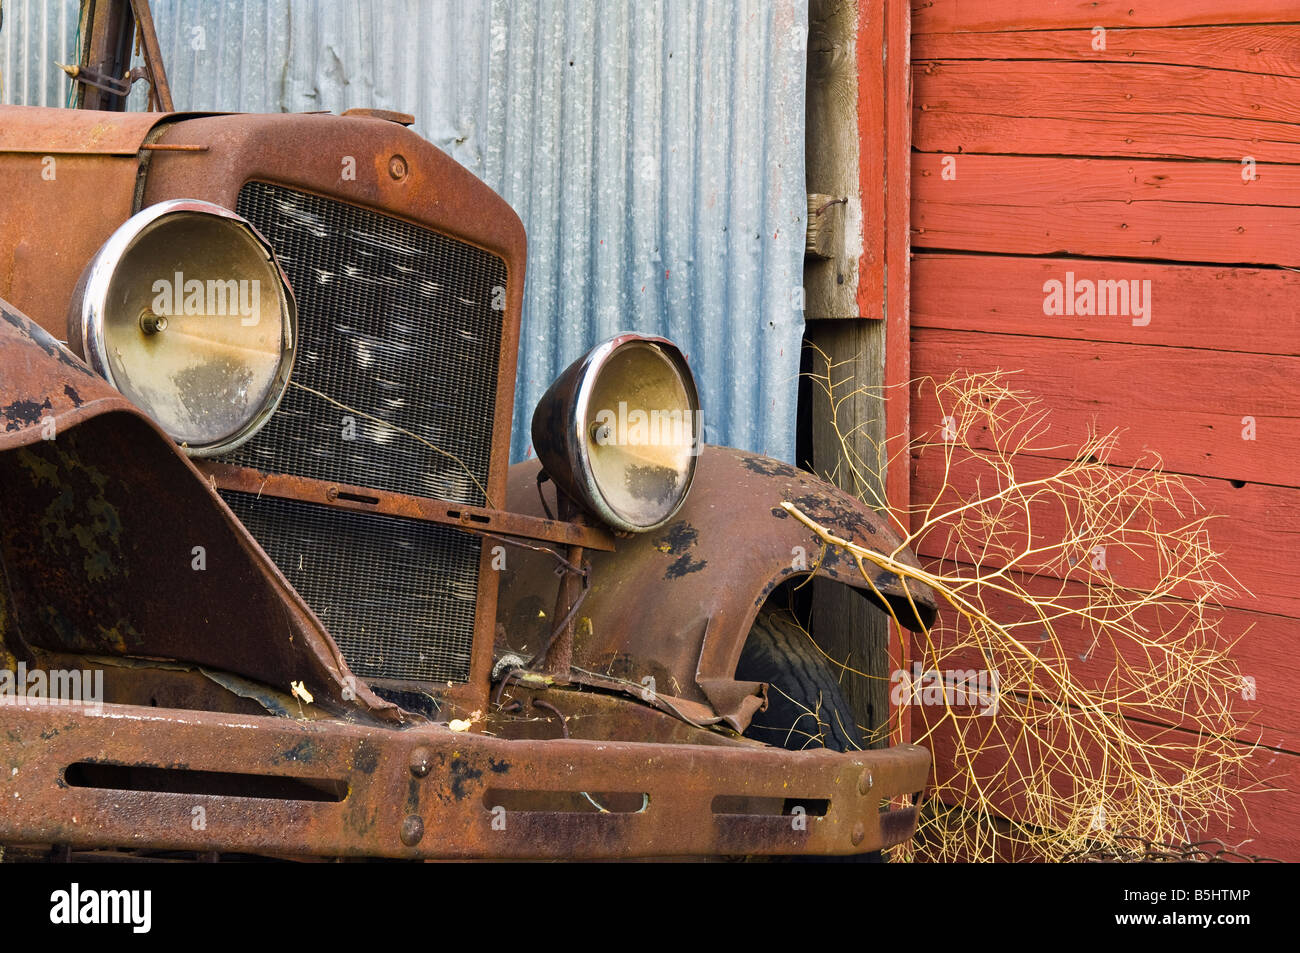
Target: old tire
[806, 708]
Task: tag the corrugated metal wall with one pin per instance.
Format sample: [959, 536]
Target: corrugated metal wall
[654, 151]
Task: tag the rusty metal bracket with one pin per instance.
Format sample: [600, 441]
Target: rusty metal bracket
[475, 519]
[90, 77]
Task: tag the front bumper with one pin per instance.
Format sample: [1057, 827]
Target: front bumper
[131, 777]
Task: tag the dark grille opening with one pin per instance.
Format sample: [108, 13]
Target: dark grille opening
[398, 595]
[401, 326]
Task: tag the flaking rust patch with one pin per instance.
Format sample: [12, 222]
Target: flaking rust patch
[462, 774]
[80, 513]
[684, 566]
[22, 414]
[766, 466]
[678, 540]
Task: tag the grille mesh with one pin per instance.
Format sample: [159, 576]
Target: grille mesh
[398, 595]
[402, 328]
[395, 323]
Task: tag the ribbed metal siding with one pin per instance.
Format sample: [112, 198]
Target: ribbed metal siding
[654, 151]
[35, 35]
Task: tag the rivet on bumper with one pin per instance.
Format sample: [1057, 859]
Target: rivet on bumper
[413, 830]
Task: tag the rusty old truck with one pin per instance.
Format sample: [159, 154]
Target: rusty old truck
[257, 515]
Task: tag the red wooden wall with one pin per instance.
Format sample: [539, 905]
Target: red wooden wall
[1120, 163]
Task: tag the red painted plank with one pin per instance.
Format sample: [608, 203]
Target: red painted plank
[1266, 823]
[1129, 208]
[1194, 408]
[1256, 528]
[954, 16]
[1272, 48]
[1005, 295]
[1106, 109]
[1262, 645]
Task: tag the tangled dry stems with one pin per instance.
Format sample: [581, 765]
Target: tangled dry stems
[1080, 620]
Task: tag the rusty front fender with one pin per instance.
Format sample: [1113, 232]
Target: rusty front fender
[102, 519]
[677, 604]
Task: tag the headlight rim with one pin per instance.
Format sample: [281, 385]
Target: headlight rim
[577, 447]
[89, 304]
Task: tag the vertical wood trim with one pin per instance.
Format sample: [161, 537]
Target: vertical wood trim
[897, 83]
[872, 167]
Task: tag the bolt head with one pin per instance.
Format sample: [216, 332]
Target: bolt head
[859, 832]
[865, 782]
[397, 167]
[420, 762]
[412, 830]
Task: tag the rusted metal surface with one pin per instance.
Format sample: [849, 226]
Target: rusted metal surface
[387, 115]
[71, 177]
[160, 93]
[477, 519]
[603, 714]
[676, 605]
[86, 76]
[308, 152]
[133, 777]
[52, 131]
[101, 518]
[110, 30]
[311, 153]
[730, 702]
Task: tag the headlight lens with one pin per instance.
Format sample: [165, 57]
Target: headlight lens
[620, 431]
[186, 311]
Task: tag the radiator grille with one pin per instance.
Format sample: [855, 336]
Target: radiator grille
[399, 336]
[398, 595]
[402, 328]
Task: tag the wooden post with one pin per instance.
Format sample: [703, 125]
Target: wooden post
[855, 280]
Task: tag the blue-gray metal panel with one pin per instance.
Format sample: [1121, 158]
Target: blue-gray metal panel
[653, 150]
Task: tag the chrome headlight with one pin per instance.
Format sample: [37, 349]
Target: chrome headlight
[620, 431]
[186, 311]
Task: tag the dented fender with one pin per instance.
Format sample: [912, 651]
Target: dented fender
[676, 604]
[102, 519]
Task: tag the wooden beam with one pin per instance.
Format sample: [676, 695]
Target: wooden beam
[984, 16]
[1003, 294]
[831, 155]
[1258, 49]
[1206, 413]
[1123, 208]
[1106, 109]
